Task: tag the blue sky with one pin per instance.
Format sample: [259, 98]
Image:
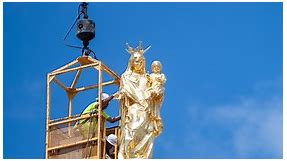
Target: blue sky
[223, 63]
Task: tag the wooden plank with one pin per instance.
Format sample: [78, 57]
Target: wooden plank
[50, 78]
[73, 69]
[71, 120]
[66, 66]
[100, 90]
[47, 115]
[110, 72]
[104, 139]
[70, 114]
[72, 144]
[64, 118]
[87, 60]
[75, 81]
[93, 60]
[116, 146]
[94, 86]
[62, 85]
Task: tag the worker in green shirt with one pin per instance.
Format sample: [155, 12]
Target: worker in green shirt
[89, 125]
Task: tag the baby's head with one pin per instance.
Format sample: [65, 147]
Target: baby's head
[156, 66]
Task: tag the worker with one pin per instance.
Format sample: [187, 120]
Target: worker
[111, 142]
[89, 125]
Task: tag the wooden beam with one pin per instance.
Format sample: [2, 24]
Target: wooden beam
[70, 110]
[47, 115]
[110, 72]
[75, 81]
[72, 144]
[93, 60]
[104, 139]
[50, 78]
[95, 86]
[64, 118]
[73, 69]
[66, 66]
[116, 146]
[87, 60]
[57, 81]
[71, 120]
[99, 147]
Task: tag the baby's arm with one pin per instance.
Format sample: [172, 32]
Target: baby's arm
[162, 79]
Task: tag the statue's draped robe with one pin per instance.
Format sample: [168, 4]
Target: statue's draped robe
[136, 139]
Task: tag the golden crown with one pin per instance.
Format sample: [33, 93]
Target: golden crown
[138, 49]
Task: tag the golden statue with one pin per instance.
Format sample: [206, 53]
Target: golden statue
[158, 80]
[141, 96]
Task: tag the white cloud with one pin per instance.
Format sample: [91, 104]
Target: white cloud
[262, 131]
[251, 128]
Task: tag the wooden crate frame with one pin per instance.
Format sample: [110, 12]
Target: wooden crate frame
[72, 91]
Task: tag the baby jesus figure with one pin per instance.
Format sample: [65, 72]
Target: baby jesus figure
[158, 80]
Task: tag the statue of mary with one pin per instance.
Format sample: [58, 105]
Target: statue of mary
[137, 137]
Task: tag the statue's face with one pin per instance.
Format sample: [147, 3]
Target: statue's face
[138, 61]
[156, 68]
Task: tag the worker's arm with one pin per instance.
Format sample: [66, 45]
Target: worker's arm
[107, 100]
[113, 119]
[118, 95]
